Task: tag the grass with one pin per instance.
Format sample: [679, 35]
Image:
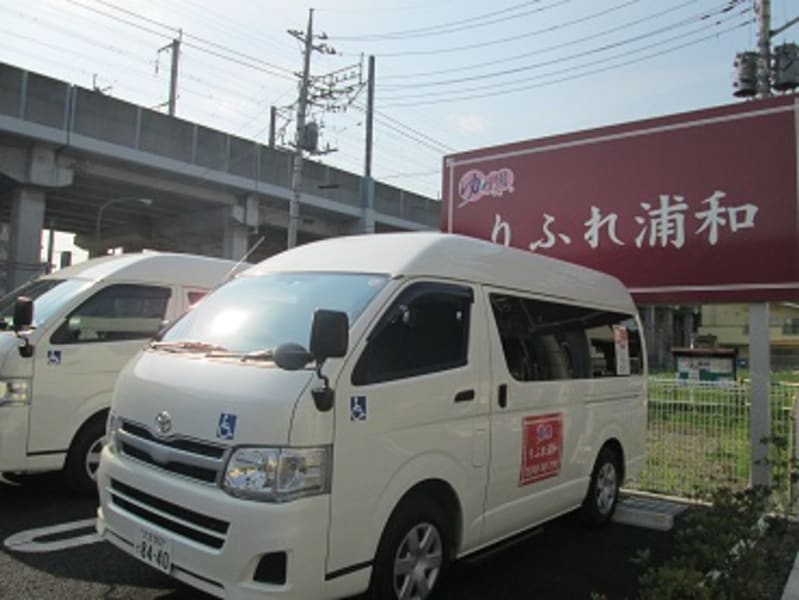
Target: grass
[698, 438]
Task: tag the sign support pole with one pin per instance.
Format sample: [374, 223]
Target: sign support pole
[759, 373]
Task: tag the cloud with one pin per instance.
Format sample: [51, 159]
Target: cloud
[469, 124]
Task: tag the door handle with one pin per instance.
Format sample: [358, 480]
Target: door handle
[502, 397]
[464, 396]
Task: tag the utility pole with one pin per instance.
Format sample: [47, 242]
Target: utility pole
[174, 49]
[272, 125]
[296, 175]
[314, 91]
[764, 49]
[369, 191]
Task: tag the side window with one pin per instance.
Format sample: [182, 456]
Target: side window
[426, 330]
[545, 341]
[117, 312]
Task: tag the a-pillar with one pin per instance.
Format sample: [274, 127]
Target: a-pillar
[25, 235]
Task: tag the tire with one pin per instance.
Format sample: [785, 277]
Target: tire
[603, 490]
[83, 457]
[414, 553]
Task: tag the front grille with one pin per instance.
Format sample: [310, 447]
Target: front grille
[186, 523]
[188, 445]
[187, 457]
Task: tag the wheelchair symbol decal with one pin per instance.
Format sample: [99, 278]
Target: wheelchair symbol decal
[226, 430]
[358, 408]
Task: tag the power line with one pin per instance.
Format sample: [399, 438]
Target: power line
[455, 26]
[223, 22]
[122, 54]
[264, 69]
[121, 20]
[505, 39]
[194, 37]
[408, 132]
[556, 27]
[500, 86]
[418, 140]
[411, 129]
[421, 102]
[390, 145]
[412, 174]
[591, 51]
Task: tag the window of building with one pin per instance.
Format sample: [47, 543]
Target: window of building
[115, 313]
[545, 341]
[195, 296]
[426, 330]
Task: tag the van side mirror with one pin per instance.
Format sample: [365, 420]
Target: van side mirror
[329, 334]
[23, 317]
[23, 312]
[292, 357]
[329, 339]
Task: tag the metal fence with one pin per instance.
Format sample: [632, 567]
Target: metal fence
[698, 437]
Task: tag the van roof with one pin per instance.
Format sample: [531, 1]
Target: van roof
[455, 257]
[181, 269]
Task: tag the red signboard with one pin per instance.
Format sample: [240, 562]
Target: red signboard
[542, 447]
[695, 207]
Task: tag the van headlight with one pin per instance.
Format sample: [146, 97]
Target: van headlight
[278, 474]
[14, 391]
[112, 425]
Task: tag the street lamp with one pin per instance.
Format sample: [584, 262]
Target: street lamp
[145, 201]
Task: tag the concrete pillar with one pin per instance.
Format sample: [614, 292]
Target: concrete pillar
[24, 244]
[367, 221]
[235, 233]
[688, 327]
[668, 337]
[648, 317]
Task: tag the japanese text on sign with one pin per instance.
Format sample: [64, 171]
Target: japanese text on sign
[667, 224]
[542, 447]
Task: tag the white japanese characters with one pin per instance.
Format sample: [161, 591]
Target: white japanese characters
[668, 223]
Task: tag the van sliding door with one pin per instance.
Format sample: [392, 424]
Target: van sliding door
[540, 367]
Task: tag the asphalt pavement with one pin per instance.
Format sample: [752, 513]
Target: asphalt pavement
[562, 559]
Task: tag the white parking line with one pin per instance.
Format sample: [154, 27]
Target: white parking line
[25, 541]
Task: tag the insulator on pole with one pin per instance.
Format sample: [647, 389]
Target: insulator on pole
[745, 83]
[785, 74]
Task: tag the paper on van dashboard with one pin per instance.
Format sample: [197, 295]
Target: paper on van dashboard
[621, 339]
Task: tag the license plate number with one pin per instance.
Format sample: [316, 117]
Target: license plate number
[155, 550]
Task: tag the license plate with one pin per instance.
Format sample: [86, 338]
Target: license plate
[155, 550]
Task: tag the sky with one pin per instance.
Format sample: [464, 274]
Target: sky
[451, 75]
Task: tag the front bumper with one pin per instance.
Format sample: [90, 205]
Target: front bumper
[298, 528]
[13, 437]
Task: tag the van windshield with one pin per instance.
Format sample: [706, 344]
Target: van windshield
[48, 296]
[259, 313]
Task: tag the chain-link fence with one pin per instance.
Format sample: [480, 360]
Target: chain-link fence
[698, 437]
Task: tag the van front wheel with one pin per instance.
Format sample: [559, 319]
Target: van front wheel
[603, 491]
[413, 554]
[83, 457]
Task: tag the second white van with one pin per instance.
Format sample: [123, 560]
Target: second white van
[356, 413]
[58, 366]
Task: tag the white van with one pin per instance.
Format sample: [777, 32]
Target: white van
[58, 366]
[455, 393]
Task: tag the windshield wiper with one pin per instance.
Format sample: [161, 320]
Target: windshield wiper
[265, 354]
[187, 346]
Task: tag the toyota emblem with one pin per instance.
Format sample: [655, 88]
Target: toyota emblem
[163, 421]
